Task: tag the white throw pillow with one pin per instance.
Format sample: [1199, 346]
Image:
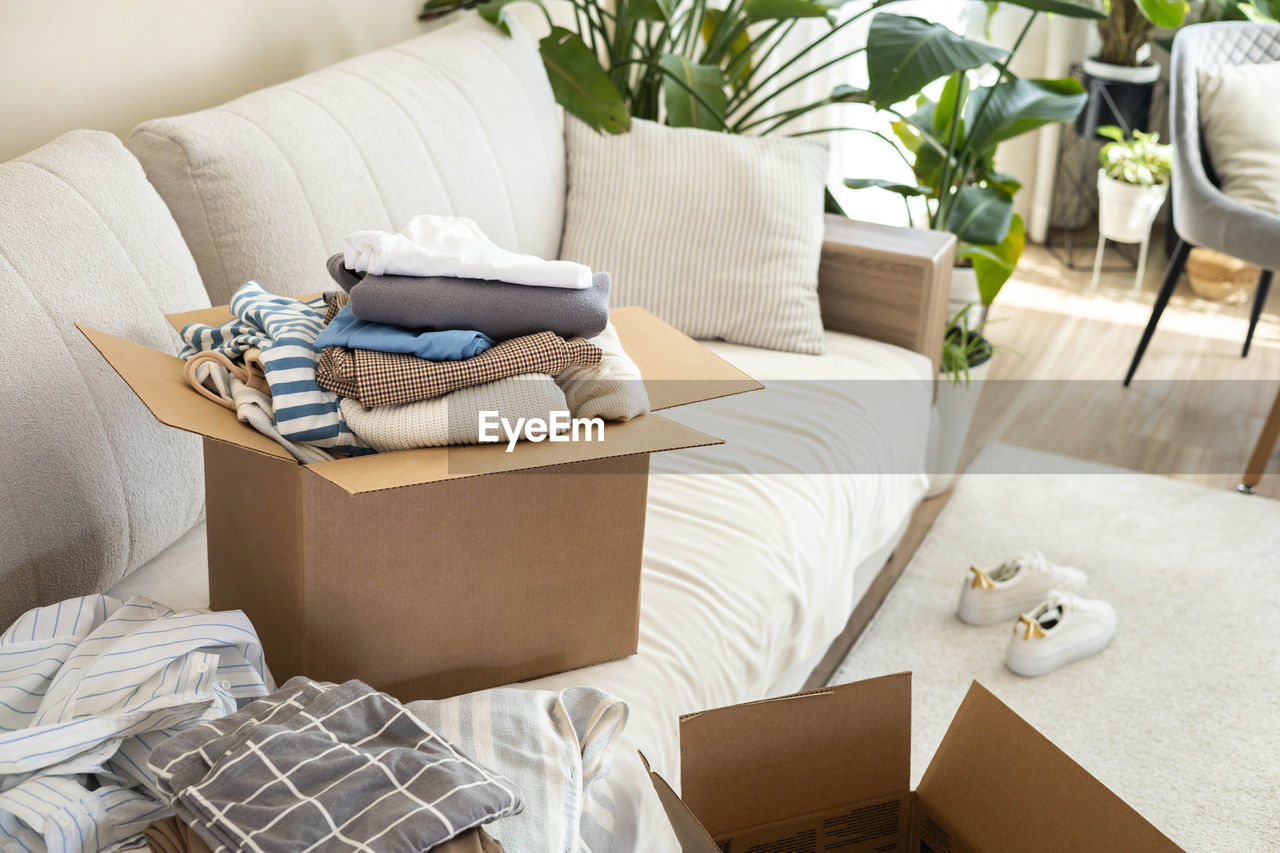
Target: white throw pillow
[556, 746]
[1239, 108]
[718, 234]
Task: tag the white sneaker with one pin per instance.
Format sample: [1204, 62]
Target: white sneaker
[1064, 628]
[1013, 587]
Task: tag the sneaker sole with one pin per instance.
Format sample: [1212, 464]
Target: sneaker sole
[1033, 666]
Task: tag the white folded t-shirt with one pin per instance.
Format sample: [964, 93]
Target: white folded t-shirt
[454, 246]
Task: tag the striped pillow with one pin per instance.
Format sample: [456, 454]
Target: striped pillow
[717, 234]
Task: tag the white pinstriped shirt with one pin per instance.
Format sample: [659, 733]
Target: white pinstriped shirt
[88, 687]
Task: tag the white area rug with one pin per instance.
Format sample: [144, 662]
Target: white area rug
[1180, 716]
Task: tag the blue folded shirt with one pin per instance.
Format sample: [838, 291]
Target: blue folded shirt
[347, 330]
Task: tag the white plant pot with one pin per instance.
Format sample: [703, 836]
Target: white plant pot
[1126, 212]
[964, 291]
[949, 427]
[1148, 72]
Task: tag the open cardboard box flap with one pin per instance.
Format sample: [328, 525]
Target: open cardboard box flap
[677, 370]
[157, 378]
[763, 762]
[995, 784]
[999, 784]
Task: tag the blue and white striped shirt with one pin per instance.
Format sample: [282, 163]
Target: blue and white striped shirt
[88, 687]
[285, 329]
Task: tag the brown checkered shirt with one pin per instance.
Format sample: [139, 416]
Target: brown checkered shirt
[386, 378]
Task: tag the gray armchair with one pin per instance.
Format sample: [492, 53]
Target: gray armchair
[1203, 214]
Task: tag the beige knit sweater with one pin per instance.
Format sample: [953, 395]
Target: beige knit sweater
[455, 417]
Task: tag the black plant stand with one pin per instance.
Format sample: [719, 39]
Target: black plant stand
[1073, 226]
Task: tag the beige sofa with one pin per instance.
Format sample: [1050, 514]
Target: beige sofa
[742, 595]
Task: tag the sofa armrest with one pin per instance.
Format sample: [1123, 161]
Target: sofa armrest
[885, 283]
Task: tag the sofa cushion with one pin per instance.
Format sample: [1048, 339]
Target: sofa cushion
[719, 234]
[458, 121]
[92, 486]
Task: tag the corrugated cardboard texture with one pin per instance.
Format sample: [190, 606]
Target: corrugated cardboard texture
[254, 528]
[875, 827]
[1007, 789]
[766, 762]
[436, 589]
[158, 380]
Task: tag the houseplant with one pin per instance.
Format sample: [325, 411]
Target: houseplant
[1122, 68]
[951, 143]
[1132, 183]
[688, 64]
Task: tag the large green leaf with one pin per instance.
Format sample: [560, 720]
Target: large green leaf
[694, 93]
[1065, 8]
[904, 190]
[651, 10]
[993, 264]
[981, 215]
[1164, 13]
[785, 10]
[906, 54]
[580, 84]
[1017, 107]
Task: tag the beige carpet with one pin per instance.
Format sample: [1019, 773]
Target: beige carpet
[1181, 714]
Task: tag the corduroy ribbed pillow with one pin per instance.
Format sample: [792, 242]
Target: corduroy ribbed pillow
[718, 234]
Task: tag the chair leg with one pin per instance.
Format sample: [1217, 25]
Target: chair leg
[1259, 302]
[1171, 274]
[1262, 450]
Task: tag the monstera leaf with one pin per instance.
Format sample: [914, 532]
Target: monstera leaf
[580, 84]
[906, 54]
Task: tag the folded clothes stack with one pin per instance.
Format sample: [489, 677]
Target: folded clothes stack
[433, 326]
[537, 338]
[324, 766]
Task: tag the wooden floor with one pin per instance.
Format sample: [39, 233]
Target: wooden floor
[1195, 407]
[1193, 412]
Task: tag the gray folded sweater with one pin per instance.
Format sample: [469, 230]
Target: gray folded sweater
[497, 309]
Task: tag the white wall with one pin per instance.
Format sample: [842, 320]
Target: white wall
[67, 64]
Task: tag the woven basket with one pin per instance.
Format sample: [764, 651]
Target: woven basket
[1220, 277]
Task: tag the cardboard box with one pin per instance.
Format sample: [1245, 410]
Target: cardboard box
[432, 572]
[830, 770]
